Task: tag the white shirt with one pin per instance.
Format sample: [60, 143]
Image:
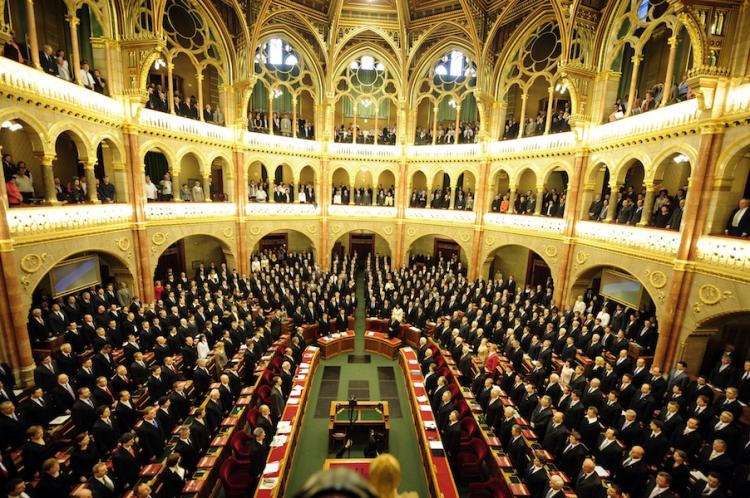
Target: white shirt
[604, 317]
[150, 190]
[86, 79]
[738, 216]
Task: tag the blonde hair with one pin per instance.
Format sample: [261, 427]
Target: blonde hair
[385, 475]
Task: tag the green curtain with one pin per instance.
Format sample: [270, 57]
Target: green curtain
[369, 111]
[469, 111]
[259, 99]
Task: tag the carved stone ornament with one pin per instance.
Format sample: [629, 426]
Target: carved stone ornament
[228, 232]
[550, 251]
[710, 295]
[32, 262]
[255, 230]
[657, 278]
[123, 244]
[159, 238]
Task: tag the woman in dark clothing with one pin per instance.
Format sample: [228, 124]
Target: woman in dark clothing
[83, 458]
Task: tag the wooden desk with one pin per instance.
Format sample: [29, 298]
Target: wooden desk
[378, 343]
[410, 335]
[366, 415]
[358, 465]
[309, 332]
[336, 344]
[376, 324]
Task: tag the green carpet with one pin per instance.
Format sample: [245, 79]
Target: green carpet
[313, 439]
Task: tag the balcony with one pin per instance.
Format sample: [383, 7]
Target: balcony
[652, 240]
[447, 151]
[276, 143]
[164, 121]
[728, 252]
[441, 215]
[272, 209]
[362, 211]
[738, 99]
[25, 222]
[525, 223]
[531, 145]
[664, 118]
[369, 151]
[38, 86]
[189, 210]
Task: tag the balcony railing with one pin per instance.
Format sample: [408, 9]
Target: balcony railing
[187, 126]
[189, 210]
[526, 223]
[440, 215]
[626, 236]
[41, 220]
[269, 208]
[738, 99]
[724, 251]
[448, 151]
[364, 150]
[362, 211]
[554, 141]
[284, 144]
[39, 85]
[664, 118]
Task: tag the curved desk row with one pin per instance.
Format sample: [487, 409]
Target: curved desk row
[336, 344]
[379, 343]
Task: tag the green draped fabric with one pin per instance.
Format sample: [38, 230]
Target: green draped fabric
[259, 99]
[367, 112]
[469, 111]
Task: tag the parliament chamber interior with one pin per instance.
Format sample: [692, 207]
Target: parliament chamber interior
[368, 248]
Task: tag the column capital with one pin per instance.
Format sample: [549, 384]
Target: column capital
[636, 59]
[74, 20]
[89, 164]
[45, 158]
[672, 41]
[525, 96]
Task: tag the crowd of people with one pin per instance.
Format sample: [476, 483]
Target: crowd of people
[652, 99]
[362, 196]
[344, 134]
[666, 213]
[440, 198]
[599, 414]
[559, 123]
[158, 100]
[282, 124]
[283, 192]
[468, 133]
[553, 203]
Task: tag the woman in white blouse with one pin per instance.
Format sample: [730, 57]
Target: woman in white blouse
[202, 347]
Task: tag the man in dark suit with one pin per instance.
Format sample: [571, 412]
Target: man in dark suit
[541, 414]
[452, 436]
[494, 409]
[655, 444]
[83, 411]
[573, 454]
[47, 60]
[258, 454]
[643, 403]
[553, 488]
[608, 452]
[535, 476]
[12, 426]
[710, 488]
[37, 410]
[278, 402]
[45, 374]
[125, 464]
[150, 435]
[738, 223]
[555, 436]
[444, 410]
[587, 483]
[714, 458]
[629, 428]
[658, 487]
[187, 450]
[517, 450]
[631, 473]
[100, 484]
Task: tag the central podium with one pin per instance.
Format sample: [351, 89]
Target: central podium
[359, 418]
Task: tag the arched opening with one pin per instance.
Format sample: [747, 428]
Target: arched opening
[363, 195]
[21, 148]
[110, 173]
[419, 194]
[500, 203]
[610, 288]
[596, 194]
[527, 267]
[437, 248]
[362, 242]
[307, 186]
[185, 86]
[555, 193]
[189, 253]
[713, 338]
[724, 205]
[283, 241]
[440, 197]
[222, 181]
[70, 182]
[340, 186]
[257, 178]
[525, 201]
[670, 188]
[283, 181]
[77, 276]
[158, 171]
[191, 179]
[463, 198]
[630, 193]
[386, 192]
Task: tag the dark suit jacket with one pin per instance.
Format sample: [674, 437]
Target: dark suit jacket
[452, 439]
[125, 468]
[742, 227]
[34, 414]
[173, 484]
[631, 478]
[554, 439]
[536, 481]
[646, 493]
[517, 451]
[189, 455]
[151, 440]
[83, 416]
[609, 457]
[571, 459]
[277, 404]
[590, 487]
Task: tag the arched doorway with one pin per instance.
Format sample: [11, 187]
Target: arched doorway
[22, 147]
[361, 242]
[188, 253]
[438, 247]
[68, 167]
[712, 339]
[257, 180]
[525, 265]
[596, 194]
[285, 241]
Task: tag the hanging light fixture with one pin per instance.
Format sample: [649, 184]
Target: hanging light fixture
[11, 126]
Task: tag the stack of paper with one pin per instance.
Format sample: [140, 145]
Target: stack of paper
[271, 468]
[430, 425]
[284, 427]
[268, 482]
[434, 445]
[293, 401]
[422, 399]
[418, 384]
[279, 440]
[425, 408]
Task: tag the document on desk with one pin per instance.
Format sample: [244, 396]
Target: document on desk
[268, 482]
[422, 399]
[301, 377]
[271, 468]
[418, 384]
[425, 408]
[279, 440]
[601, 471]
[371, 334]
[284, 427]
[293, 401]
[59, 420]
[413, 362]
[407, 349]
[436, 445]
[430, 425]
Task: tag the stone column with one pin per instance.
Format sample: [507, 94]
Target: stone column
[522, 117]
[270, 111]
[48, 175]
[91, 182]
[539, 199]
[240, 173]
[75, 55]
[199, 80]
[170, 85]
[120, 181]
[142, 254]
[456, 125]
[612, 208]
[512, 200]
[294, 116]
[667, 92]
[207, 187]
[110, 76]
[633, 83]
[434, 123]
[648, 204]
[548, 117]
[573, 207]
[33, 42]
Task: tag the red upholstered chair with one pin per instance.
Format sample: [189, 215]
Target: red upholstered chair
[440, 362]
[252, 417]
[469, 429]
[240, 443]
[267, 378]
[435, 350]
[493, 488]
[462, 407]
[444, 372]
[235, 477]
[264, 394]
[280, 351]
[471, 458]
[455, 391]
[275, 363]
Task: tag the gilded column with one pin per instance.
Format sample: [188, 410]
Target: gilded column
[240, 173]
[512, 200]
[33, 42]
[170, 84]
[636, 59]
[456, 125]
[88, 169]
[401, 201]
[612, 206]
[694, 221]
[138, 200]
[75, 55]
[548, 118]
[648, 204]
[199, 79]
[522, 117]
[479, 202]
[667, 91]
[206, 186]
[176, 186]
[573, 208]
[120, 181]
[294, 116]
[324, 199]
[539, 199]
[48, 175]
